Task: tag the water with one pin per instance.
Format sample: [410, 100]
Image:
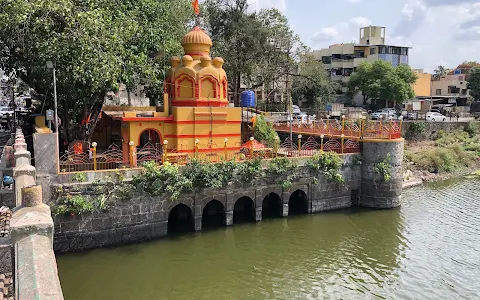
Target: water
[427, 249]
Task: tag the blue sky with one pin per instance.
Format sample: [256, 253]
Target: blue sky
[440, 32]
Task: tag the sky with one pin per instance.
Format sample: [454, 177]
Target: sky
[440, 32]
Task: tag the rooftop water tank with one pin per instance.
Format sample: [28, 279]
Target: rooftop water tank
[247, 99]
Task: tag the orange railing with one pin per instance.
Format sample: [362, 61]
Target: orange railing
[348, 128]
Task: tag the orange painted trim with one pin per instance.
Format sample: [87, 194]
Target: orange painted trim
[146, 119]
[205, 122]
[202, 135]
[199, 103]
[158, 132]
[209, 150]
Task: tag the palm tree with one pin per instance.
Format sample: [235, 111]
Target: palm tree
[439, 72]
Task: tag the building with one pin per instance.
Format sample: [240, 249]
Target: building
[122, 97]
[423, 85]
[342, 59]
[450, 85]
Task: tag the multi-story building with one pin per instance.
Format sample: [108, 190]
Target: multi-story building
[450, 85]
[342, 59]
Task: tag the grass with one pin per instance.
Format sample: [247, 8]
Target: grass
[449, 152]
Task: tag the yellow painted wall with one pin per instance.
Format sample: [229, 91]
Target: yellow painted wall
[422, 86]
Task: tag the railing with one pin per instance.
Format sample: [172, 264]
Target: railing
[349, 129]
[113, 157]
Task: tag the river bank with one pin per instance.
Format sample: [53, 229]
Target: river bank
[448, 155]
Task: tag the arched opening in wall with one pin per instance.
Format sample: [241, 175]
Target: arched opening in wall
[213, 215]
[298, 203]
[244, 210]
[180, 220]
[272, 206]
[149, 136]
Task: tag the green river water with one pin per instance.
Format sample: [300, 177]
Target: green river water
[429, 248]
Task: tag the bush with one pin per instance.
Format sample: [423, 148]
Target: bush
[327, 164]
[472, 128]
[284, 169]
[443, 159]
[415, 128]
[263, 131]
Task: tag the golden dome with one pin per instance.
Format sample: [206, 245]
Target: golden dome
[197, 43]
[197, 36]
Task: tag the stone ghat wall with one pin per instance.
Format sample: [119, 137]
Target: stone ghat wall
[431, 130]
[142, 218]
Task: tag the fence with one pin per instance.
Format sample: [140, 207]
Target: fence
[78, 160]
[348, 128]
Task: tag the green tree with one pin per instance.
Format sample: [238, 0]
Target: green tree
[95, 44]
[311, 83]
[439, 72]
[263, 131]
[473, 83]
[380, 80]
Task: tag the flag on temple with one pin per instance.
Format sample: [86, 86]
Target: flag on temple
[196, 7]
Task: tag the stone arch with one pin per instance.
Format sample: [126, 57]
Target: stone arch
[244, 210]
[272, 206]
[180, 219]
[213, 214]
[298, 202]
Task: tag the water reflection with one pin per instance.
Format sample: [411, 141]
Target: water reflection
[427, 249]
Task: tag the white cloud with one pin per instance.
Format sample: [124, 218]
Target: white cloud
[354, 1]
[343, 32]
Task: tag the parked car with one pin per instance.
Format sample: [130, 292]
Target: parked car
[435, 116]
[412, 115]
[295, 109]
[6, 110]
[389, 114]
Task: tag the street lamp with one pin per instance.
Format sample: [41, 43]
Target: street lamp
[51, 65]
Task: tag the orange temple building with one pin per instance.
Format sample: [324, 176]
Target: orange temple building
[196, 116]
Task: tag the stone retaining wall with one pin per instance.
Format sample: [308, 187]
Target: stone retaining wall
[143, 218]
[431, 130]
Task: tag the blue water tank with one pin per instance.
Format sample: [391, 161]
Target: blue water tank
[457, 72]
[247, 99]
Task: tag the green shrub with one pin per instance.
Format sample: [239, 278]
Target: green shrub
[284, 169]
[445, 159]
[249, 170]
[384, 168]
[73, 205]
[472, 128]
[415, 128]
[327, 164]
[79, 177]
[263, 131]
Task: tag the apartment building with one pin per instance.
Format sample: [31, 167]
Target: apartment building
[450, 85]
[341, 59]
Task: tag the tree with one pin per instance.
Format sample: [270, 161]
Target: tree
[263, 131]
[95, 44]
[380, 80]
[439, 72]
[311, 83]
[473, 83]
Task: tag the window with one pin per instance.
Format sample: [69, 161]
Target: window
[396, 50]
[382, 50]
[404, 51]
[327, 60]
[438, 92]
[372, 51]
[453, 89]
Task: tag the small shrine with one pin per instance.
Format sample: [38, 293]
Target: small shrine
[196, 119]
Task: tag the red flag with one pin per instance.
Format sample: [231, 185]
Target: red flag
[196, 7]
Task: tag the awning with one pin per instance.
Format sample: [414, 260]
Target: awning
[256, 144]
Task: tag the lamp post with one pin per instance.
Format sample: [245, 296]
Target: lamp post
[225, 147]
[51, 65]
[94, 150]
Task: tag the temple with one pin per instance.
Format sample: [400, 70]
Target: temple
[196, 118]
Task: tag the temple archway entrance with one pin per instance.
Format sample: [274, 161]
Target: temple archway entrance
[298, 203]
[149, 136]
[244, 210]
[272, 206]
[213, 215]
[180, 220]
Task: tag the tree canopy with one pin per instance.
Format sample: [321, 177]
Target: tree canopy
[473, 83]
[439, 72]
[95, 45]
[312, 83]
[380, 80]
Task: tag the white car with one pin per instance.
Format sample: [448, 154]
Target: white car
[435, 116]
[296, 109]
[6, 110]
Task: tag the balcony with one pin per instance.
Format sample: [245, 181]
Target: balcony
[337, 63]
[348, 64]
[358, 61]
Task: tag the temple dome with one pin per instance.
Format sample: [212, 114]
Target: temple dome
[197, 43]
